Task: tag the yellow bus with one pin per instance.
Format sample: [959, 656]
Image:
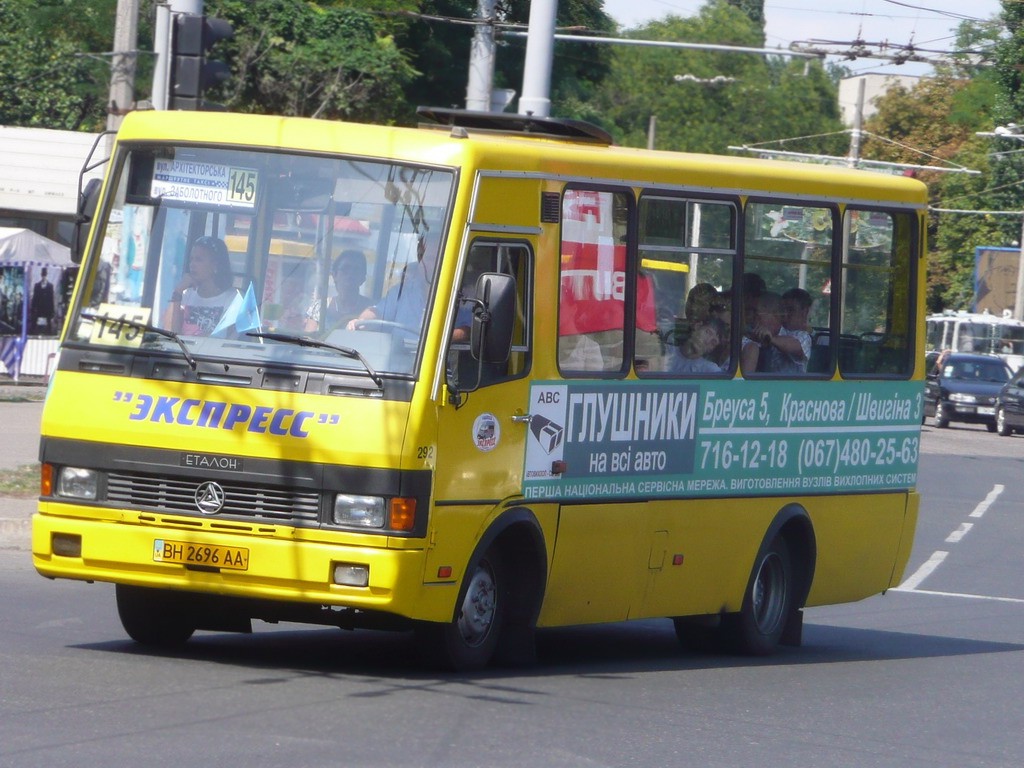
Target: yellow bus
[520, 378]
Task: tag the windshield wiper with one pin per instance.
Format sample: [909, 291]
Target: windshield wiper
[121, 322]
[306, 341]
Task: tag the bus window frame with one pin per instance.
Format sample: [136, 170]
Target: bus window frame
[629, 285]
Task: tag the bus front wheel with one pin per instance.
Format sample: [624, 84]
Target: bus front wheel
[153, 616]
[757, 628]
[468, 642]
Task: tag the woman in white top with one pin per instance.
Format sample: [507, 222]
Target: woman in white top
[198, 301]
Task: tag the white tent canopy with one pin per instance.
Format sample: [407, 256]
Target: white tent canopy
[23, 246]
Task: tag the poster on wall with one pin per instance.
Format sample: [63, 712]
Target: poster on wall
[12, 300]
[995, 279]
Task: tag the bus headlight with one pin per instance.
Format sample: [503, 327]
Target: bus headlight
[77, 483]
[359, 511]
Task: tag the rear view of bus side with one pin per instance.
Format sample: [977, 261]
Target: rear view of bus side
[481, 377]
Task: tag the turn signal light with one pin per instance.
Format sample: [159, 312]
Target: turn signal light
[46, 480]
[402, 515]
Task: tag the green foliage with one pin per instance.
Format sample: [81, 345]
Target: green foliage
[940, 116]
[763, 100]
[291, 57]
[44, 82]
[440, 53]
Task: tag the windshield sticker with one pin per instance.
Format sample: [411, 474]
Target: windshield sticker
[486, 432]
[118, 326]
[205, 183]
[661, 439]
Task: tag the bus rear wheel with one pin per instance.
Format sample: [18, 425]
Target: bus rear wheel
[757, 628]
[469, 641]
[153, 616]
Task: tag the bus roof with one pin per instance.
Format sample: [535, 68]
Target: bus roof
[571, 156]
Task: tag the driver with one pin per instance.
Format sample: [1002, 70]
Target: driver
[406, 300]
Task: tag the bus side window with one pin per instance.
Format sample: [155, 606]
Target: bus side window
[686, 249]
[591, 311]
[877, 282]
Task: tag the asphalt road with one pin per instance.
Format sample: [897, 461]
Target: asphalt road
[927, 675]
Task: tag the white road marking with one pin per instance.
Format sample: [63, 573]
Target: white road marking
[959, 594]
[992, 496]
[926, 570]
[959, 533]
[923, 572]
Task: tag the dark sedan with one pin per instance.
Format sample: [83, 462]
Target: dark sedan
[1010, 406]
[965, 389]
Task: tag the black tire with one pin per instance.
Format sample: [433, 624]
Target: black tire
[1002, 427]
[757, 628]
[941, 420]
[468, 642]
[154, 617]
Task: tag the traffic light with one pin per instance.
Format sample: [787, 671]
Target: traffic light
[191, 71]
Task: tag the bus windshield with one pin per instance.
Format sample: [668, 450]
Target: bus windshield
[265, 257]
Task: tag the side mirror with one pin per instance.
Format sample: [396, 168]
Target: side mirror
[86, 210]
[491, 333]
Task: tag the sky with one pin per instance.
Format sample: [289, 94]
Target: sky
[927, 23]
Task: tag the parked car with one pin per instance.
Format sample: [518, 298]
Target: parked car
[1010, 406]
[965, 389]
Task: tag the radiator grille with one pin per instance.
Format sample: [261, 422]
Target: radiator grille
[246, 502]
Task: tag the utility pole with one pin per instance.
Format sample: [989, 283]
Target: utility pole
[858, 122]
[481, 59]
[122, 65]
[540, 52]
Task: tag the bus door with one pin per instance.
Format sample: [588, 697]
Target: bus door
[482, 428]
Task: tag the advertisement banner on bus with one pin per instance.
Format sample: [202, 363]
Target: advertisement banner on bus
[662, 439]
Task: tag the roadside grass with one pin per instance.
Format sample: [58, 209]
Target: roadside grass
[22, 482]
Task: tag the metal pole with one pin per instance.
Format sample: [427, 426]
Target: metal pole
[540, 51]
[858, 122]
[122, 65]
[652, 126]
[481, 59]
[162, 45]
[1018, 303]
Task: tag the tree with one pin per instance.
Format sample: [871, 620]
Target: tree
[439, 50]
[937, 121]
[45, 81]
[291, 57]
[759, 100]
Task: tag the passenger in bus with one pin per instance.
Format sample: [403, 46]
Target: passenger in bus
[406, 301]
[348, 273]
[796, 311]
[721, 319]
[769, 347]
[199, 299]
[288, 315]
[692, 357]
[752, 288]
[704, 303]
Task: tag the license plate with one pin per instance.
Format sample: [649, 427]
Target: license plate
[986, 410]
[185, 553]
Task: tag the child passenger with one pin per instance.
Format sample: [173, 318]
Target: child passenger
[692, 356]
